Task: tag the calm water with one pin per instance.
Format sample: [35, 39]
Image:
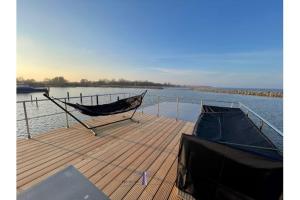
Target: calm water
[269, 108]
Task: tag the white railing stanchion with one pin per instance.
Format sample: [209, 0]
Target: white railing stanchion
[201, 105]
[157, 106]
[67, 119]
[36, 102]
[26, 120]
[177, 114]
[91, 100]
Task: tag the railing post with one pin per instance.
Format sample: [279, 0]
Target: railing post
[201, 104]
[26, 120]
[31, 98]
[231, 105]
[68, 96]
[91, 100]
[177, 108]
[261, 126]
[36, 102]
[81, 98]
[67, 119]
[109, 97]
[97, 99]
[157, 106]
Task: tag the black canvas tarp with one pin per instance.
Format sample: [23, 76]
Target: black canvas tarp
[120, 106]
[233, 127]
[209, 170]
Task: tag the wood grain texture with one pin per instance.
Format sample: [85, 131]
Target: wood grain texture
[114, 161]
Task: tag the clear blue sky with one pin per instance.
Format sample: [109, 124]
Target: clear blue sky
[229, 43]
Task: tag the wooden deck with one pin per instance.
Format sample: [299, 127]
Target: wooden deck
[114, 161]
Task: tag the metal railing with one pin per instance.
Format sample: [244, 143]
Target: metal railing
[26, 118]
[263, 121]
[157, 99]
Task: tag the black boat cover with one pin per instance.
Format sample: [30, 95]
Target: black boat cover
[233, 127]
[120, 106]
[210, 170]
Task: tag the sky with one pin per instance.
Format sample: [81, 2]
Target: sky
[222, 43]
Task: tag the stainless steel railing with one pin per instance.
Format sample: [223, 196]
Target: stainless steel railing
[263, 121]
[26, 118]
[156, 99]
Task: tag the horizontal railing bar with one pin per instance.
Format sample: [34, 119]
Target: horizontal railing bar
[36, 117]
[75, 97]
[154, 95]
[196, 99]
[265, 121]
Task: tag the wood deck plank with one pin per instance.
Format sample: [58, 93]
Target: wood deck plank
[144, 154]
[158, 170]
[114, 161]
[44, 156]
[134, 180]
[54, 170]
[120, 149]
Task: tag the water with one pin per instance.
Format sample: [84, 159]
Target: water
[269, 108]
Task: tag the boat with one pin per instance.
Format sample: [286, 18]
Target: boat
[228, 157]
[30, 89]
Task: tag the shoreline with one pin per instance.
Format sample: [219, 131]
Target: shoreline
[245, 92]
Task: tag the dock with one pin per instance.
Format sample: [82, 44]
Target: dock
[114, 161]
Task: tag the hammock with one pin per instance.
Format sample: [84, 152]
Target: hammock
[120, 106]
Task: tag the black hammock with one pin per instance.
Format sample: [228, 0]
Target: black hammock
[120, 106]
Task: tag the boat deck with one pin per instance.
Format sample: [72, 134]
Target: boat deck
[114, 160]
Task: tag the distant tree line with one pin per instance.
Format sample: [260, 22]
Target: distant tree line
[60, 81]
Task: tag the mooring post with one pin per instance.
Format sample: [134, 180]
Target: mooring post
[157, 106]
[26, 120]
[68, 96]
[67, 119]
[92, 100]
[36, 102]
[81, 98]
[97, 99]
[231, 104]
[177, 108]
